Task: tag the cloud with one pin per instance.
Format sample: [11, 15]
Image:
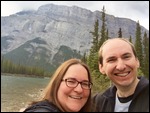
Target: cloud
[135, 10]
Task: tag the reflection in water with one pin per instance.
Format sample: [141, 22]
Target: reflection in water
[16, 92]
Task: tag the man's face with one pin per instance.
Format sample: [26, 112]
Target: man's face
[119, 62]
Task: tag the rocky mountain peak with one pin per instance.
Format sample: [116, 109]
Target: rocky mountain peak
[60, 27]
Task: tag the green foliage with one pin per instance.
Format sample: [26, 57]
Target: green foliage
[64, 53]
[95, 34]
[145, 68]
[104, 34]
[130, 39]
[100, 82]
[142, 49]
[138, 44]
[8, 67]
[92, 61]
[84, 58]
[140, 73]
[119, 33]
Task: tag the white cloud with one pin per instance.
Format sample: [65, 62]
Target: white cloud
[135, 10]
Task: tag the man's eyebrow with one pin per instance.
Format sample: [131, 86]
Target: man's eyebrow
[113, 57]
[126, 54]
[110, 57]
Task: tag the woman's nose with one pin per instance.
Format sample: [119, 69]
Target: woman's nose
[78, 88]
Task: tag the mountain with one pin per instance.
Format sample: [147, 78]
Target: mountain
[54, 33]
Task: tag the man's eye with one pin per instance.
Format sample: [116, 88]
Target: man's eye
[111, 60]
[126, 56]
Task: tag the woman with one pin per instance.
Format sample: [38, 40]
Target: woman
[69, 90]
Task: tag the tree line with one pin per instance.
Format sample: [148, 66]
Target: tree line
[101, 82]
[8, 66]
[98, 37]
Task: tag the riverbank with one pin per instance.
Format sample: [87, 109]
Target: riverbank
[22, 75]
[17, 92]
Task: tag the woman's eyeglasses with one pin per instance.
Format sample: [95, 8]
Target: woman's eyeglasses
[72, 83]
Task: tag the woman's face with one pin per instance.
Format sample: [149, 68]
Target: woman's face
[73, 99]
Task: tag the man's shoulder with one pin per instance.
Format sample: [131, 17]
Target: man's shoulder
[99, 96]
[108, 93]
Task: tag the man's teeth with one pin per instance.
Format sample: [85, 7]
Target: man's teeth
[123, 74]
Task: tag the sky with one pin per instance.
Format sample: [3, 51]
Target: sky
[135, 10]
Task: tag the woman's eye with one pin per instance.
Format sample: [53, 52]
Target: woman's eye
[71, 81]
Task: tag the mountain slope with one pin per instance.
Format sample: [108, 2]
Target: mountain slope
[44, 37]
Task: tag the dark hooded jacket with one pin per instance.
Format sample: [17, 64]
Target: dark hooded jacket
[140, 102]
[43, 106]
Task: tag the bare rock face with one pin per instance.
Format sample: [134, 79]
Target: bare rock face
[53, 26]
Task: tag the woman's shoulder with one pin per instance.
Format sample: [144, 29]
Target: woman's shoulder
[42, 106]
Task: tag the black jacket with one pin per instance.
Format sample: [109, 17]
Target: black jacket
[140, 103]
[43, 106]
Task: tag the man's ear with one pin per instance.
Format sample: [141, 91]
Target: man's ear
[138, 63]
[101, 69]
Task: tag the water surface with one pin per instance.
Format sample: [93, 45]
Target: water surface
[16, 91]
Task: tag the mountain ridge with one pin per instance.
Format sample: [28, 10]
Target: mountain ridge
[58, 26]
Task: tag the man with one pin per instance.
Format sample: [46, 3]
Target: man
[130, 92]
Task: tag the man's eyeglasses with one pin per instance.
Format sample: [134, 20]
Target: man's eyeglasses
[72, 83]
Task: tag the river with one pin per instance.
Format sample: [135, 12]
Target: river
[16, 91]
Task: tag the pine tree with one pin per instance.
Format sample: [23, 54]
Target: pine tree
[107, 35]
[103, 28]
[95, 34]
[146, 55]
[93, 56]
[120, 33]
[101, 82]
[84, 59]
[138, 45]
[130, 39]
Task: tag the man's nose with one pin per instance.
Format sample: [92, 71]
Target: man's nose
[120, 65]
